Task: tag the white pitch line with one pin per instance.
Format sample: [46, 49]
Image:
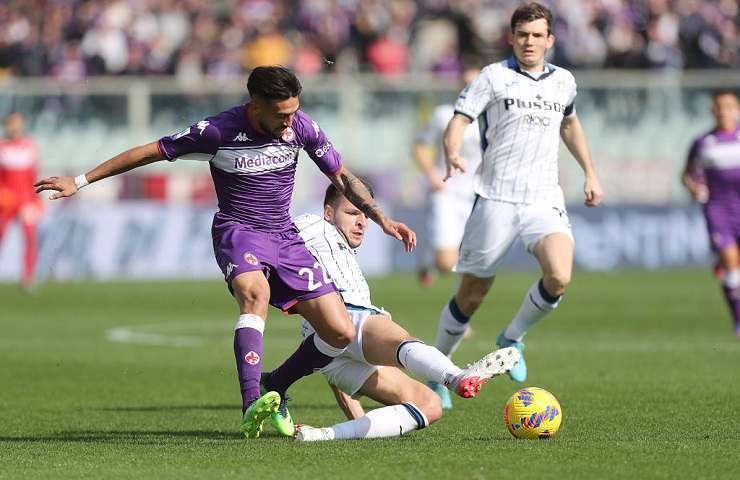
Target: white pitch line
[152, 333]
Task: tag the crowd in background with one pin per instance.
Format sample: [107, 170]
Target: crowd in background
[218, 40]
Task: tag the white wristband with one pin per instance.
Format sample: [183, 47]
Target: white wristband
[81, 181]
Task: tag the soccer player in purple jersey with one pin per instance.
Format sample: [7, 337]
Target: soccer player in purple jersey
[252, 151]
[712, 176]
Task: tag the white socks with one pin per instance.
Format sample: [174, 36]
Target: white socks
[392, 421]
[451, 328]
[426, 362]
[731, 279]
[537, 303]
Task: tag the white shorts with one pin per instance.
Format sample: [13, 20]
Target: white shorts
[447, 215]
[349, 371]
[494, 226]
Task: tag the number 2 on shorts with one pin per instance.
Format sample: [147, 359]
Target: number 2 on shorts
[309, 274]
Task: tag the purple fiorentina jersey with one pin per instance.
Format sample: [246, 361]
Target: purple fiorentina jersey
[717, 155]
[253, 172]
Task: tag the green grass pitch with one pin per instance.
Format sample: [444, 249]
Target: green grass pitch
[137, 380]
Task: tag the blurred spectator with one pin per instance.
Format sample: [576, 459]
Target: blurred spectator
[18, 200]
[71, 39]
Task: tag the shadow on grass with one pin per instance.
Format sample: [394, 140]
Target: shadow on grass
[134, 436]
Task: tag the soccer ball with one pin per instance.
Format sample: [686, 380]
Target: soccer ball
[533, 412]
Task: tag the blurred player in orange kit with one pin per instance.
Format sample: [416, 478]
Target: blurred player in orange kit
[19, 162]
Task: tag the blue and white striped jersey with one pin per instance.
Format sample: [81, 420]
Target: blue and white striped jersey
[331, 250]
[519, 117]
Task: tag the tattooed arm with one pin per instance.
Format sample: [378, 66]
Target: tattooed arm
[352, 188]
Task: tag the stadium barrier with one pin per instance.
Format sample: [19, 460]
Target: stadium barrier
[145, 240]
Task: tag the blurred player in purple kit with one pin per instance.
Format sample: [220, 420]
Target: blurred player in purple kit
[712, 176]
[252, 151]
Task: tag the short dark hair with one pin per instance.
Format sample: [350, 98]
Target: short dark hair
[724, 91]
[273, 83]
[529, 13]
[333, 194]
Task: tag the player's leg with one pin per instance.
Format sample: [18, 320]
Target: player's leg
[546, 234]
[555, 256]
[252, 294]
[729, 258]
[489, 233]
[30, 215]
[410, 406]
[333, 332]
[386, 343]
[239, 253]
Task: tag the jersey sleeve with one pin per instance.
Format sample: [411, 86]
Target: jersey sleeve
[570, 107]
[317, 145]
[476, 96]
[692, 159]
[197, 142]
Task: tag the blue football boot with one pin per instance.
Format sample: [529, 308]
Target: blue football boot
[519, 372]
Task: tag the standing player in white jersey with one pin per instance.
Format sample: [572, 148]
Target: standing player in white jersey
[379, 341]
[524, 105]
[449, 203]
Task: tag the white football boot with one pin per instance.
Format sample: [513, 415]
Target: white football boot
[469, 382]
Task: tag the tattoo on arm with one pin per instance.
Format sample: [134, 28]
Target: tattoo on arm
[352, 188]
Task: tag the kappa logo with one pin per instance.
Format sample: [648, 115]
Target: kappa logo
[242, 137]
[316, 129]
[230, 268]
[250, 259]
[202, 125]
[252, 358]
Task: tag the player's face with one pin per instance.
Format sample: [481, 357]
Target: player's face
[726, 111]
[275, 116]
[530, 42]
[348, 219]
[14, 126]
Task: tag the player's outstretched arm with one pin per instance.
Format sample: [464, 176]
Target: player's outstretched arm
[351, 407]
[351, 187]
[123, 162]
[572, 133]
[452, 142]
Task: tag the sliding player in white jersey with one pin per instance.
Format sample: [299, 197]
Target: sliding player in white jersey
[523, 105]
[379, 341]
[449, 203]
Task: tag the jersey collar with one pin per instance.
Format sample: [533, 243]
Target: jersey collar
[512, 64]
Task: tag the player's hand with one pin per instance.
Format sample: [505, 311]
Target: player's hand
[700, 193]
[64, 186]
[593, 191]
[454, 162]
[401, 232]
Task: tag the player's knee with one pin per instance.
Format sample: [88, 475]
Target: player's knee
[445, 265]
[343, 335]
[556, 283]
[250, 296]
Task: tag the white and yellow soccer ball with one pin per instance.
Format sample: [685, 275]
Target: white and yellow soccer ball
[533, 412]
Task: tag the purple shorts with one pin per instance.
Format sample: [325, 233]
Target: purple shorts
[291, 271]
[723, 224]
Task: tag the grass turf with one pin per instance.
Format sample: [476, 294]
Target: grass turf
[644, 365]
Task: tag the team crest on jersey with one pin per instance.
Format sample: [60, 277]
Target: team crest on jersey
[288, 135]
[252, 358]
[202, 125]
[250, 259]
